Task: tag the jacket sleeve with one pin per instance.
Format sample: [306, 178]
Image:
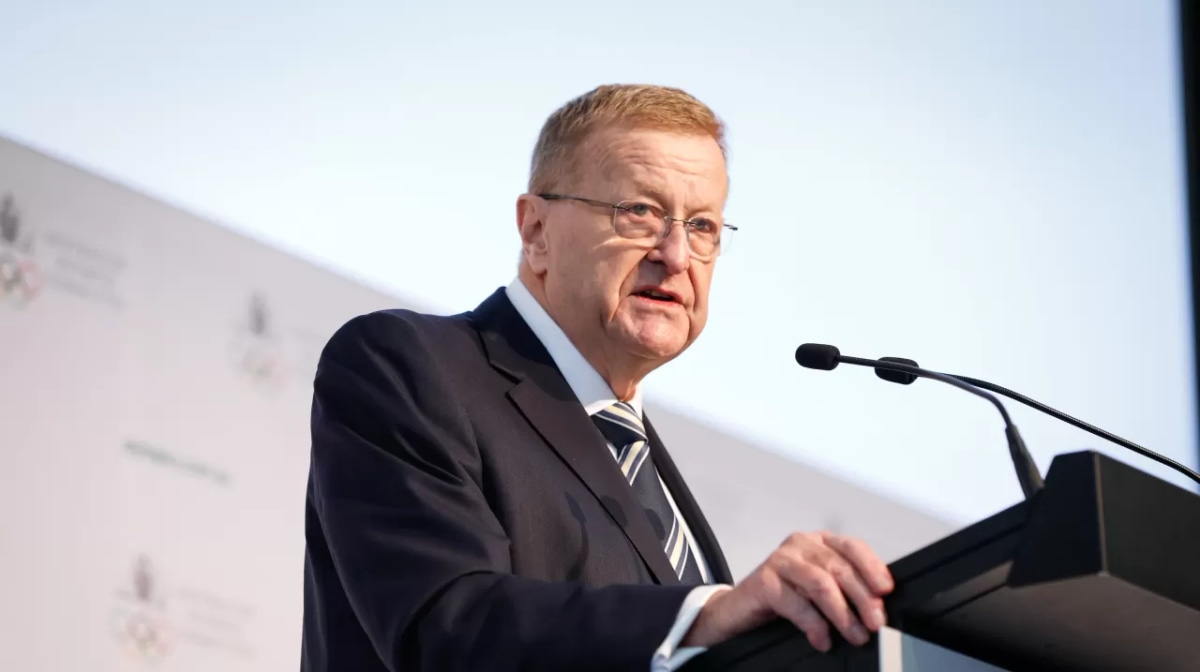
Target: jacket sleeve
[424, 562]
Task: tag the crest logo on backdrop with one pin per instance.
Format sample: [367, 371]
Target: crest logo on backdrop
[20, 276]
[141, 624]
[155, 622]
[33, 261]
[257, 347]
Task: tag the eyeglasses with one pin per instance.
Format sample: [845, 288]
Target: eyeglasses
[641, 221]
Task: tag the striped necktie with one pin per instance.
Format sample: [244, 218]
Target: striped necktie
[621, 425]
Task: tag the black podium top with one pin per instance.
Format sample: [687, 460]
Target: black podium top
[1099, 571]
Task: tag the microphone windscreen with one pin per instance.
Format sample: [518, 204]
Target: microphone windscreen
[896, 376]
[817, 356]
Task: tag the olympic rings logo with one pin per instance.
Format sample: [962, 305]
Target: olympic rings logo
[20, 279]
[259, 361]
[144, 635]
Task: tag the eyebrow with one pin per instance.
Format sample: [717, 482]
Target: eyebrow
[649, 189]
[652, 191]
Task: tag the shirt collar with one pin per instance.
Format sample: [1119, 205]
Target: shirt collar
[589, 387]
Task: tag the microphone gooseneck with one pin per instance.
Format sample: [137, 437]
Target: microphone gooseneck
[1054, 413]
[827, 357]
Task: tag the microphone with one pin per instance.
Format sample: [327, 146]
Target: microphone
[896, 376]
[827, 358]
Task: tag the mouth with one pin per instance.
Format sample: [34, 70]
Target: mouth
[658, 295]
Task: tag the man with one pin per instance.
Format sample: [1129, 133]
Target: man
[485, 492]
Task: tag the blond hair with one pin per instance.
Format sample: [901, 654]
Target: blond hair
[556, 154]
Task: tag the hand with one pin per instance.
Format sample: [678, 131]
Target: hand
[811, 580]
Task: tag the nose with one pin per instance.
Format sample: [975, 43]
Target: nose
[672, 251]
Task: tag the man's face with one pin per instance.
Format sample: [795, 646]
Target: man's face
[616, 297]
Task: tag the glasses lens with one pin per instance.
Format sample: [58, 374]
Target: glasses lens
[637, 220]
[642, 221]
[725, 239]
[704, 236]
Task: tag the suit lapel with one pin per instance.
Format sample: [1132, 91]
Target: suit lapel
[546, 401]
[692, 515]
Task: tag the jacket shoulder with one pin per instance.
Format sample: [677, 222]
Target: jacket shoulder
[403, 333]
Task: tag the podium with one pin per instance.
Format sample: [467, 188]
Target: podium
[1100, 570]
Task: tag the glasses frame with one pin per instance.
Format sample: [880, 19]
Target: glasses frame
[668, 221]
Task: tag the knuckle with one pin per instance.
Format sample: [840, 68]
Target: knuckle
[844, 577]
[796, 539]
[844, 538]
[777, 563]
[774, 591]
[824, 556]
[842, 573]
[858, 547]
[844, 543]
[806, 574]
[824, 588]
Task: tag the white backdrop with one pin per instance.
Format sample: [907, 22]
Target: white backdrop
[156, 376]
[153, 434]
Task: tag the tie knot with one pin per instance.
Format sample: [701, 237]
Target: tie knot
[620, 424]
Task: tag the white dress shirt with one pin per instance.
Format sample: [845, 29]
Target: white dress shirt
[595, 395]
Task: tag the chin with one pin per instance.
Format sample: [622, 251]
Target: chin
[659, 343]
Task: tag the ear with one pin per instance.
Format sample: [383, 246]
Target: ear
[531, 224]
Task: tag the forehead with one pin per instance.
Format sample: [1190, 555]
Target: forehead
[671, 162]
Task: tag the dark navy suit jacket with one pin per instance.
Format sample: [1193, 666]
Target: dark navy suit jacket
[463, 512]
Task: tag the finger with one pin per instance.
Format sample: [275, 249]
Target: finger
[793, 606]
[813, 581]
[865, 561]
[868, 605]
